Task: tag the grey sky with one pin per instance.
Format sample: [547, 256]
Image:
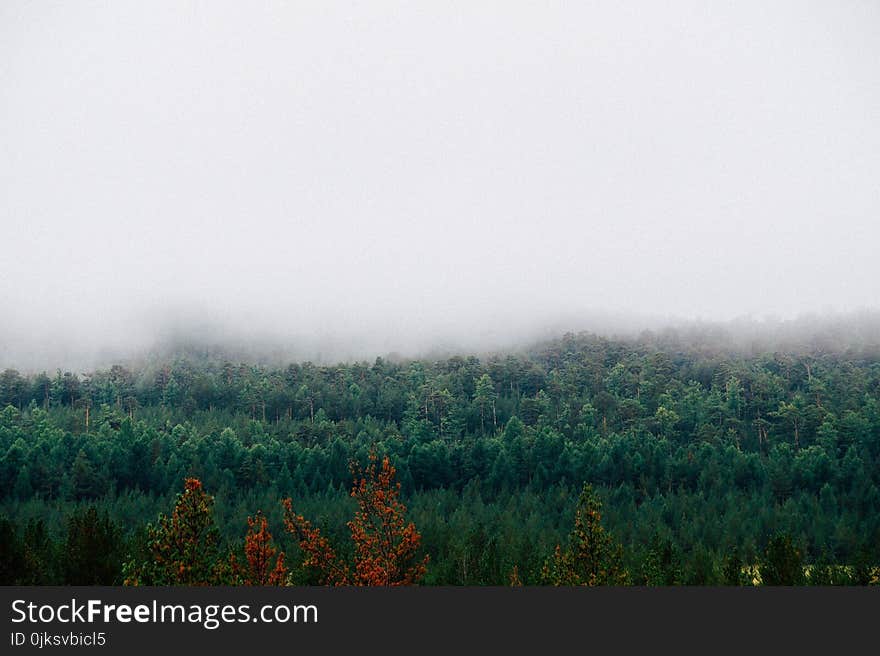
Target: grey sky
[376, 170]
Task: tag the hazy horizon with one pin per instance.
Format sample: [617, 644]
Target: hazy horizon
[808, 333]
[348, 181]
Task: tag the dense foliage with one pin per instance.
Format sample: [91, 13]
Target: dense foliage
[711, 466]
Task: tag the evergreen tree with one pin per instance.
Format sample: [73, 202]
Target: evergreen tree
[592, 557]
[782, 563]
[92, 551]
[184, 548]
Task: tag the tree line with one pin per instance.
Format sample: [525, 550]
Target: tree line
[704, 460]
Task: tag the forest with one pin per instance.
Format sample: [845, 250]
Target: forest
[651, 460]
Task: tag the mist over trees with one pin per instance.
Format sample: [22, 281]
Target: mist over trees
[710, 462]
[577, 293]
[164, 337]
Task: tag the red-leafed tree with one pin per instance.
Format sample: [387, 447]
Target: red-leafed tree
[386, 547]
[259, 553]
[318, 554]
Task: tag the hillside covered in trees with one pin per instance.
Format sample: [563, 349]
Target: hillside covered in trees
[682, 462]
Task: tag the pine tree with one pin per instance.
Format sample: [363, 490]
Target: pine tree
[485, 396]
[385, 546]
[259, 553]
[782, 563]
[92, 549]
[184, 548]
[591, 557]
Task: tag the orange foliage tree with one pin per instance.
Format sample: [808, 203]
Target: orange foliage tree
[385, 546]
[514, 579]
[259, 553]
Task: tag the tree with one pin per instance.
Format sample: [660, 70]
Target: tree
[259, 553]
[13, 388]
[661, 565]
[318, 554]
[385, 546]
[12, 564]
[666, 420]
[92, 550]
[183, 548]
[513, 579]
[732, 570]
[40, 558]
[484, 395]
[592, 557]
[782, 563]
[86, 481]
[793, 415]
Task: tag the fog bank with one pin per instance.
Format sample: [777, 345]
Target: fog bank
[344, 180]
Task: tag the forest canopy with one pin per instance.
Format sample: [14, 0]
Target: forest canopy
[702, 464]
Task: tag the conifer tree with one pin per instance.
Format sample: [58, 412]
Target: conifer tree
[592, 557]
[385, 546]
[184, 548]
[259, 553]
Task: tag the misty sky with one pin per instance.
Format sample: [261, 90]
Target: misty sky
[405, 172]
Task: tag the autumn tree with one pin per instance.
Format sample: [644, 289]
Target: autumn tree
[513, 578]
[318, 554]
[259, 553]
[385, 546]
[592, 557]
[183, 549]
